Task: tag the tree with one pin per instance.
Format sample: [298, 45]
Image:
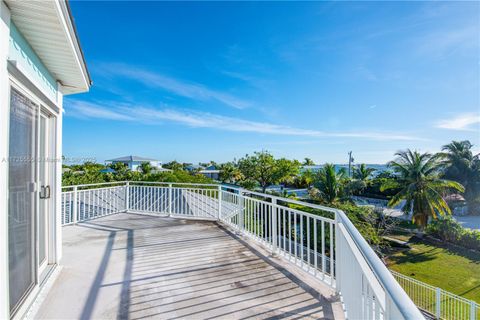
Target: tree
[464, 167]
[146, 167]
[308, 162]
[286, 171]
[119, 167]
[420, 185]
[230, 173]
[264, 169]
[330, 183]
[173, 165]
[260, 168]
[306, 178]
[362, 172]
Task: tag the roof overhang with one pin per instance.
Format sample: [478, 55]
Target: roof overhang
[49, 28]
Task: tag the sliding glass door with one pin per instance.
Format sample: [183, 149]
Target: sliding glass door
[22, 202]
[31, 211]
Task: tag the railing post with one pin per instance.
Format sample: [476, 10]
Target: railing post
[337, 255]
[274, 226]
[170, 199]
[74, 209]
[473, 310]
[438, 301]
[127, 196]
[219, 202]
[241, 213]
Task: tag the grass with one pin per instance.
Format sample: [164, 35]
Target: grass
[451, 269]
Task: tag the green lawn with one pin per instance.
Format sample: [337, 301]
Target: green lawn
[457, 271]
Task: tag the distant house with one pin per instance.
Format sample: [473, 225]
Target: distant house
[194, 167]
[134, 162]
[211, 172]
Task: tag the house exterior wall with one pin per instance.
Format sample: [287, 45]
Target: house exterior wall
[15, 51]
[134, 165]
[28, 63]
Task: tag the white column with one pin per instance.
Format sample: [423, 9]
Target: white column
[58, 176]
[4, 120]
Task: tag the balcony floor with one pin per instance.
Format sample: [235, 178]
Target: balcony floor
[133, 266]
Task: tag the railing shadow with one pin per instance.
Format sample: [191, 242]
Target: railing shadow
[175, 273]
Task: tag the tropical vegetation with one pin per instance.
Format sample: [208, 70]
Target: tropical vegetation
[449, 230]
[464, 167]
[89, 172]
[263, 169]
[418, 178]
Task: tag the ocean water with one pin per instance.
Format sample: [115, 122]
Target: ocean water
[377, 167]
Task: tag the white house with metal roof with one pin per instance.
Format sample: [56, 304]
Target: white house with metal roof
[40, 62]
[134, 162]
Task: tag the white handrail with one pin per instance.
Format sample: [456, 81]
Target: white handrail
[398, 296]
[271, 223]
[140, 182]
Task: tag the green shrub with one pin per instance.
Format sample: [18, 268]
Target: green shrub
[449, 230]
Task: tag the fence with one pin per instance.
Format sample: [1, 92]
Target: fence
[324, 244]
[439, 303]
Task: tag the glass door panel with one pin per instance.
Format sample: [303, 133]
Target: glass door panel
[21, 210]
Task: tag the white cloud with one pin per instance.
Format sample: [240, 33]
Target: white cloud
[197, 119]
[464, 121]
[179, 87]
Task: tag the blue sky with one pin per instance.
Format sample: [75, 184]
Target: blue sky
[195, 81]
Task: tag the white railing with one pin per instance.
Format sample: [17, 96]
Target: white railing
[81, 203]
[439, 303]
[303, 238]
[324, 243]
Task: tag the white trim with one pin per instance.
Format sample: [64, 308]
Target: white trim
[15, 67]
[4, 142]
[62, 12]
[58, 183]
[28, 89]
[34, 307]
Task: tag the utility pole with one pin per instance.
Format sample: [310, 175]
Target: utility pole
[350, 162]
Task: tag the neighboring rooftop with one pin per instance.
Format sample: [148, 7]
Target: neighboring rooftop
[131, 158]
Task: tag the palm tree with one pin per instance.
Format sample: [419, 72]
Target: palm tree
[464, 167]
[362, 172]
[330, 183]
[306, 178]
[308, 162]
[418, 178]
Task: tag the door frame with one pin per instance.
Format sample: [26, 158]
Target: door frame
[49, 223]
[45, 106]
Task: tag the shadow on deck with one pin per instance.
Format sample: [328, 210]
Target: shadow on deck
[133, 266]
